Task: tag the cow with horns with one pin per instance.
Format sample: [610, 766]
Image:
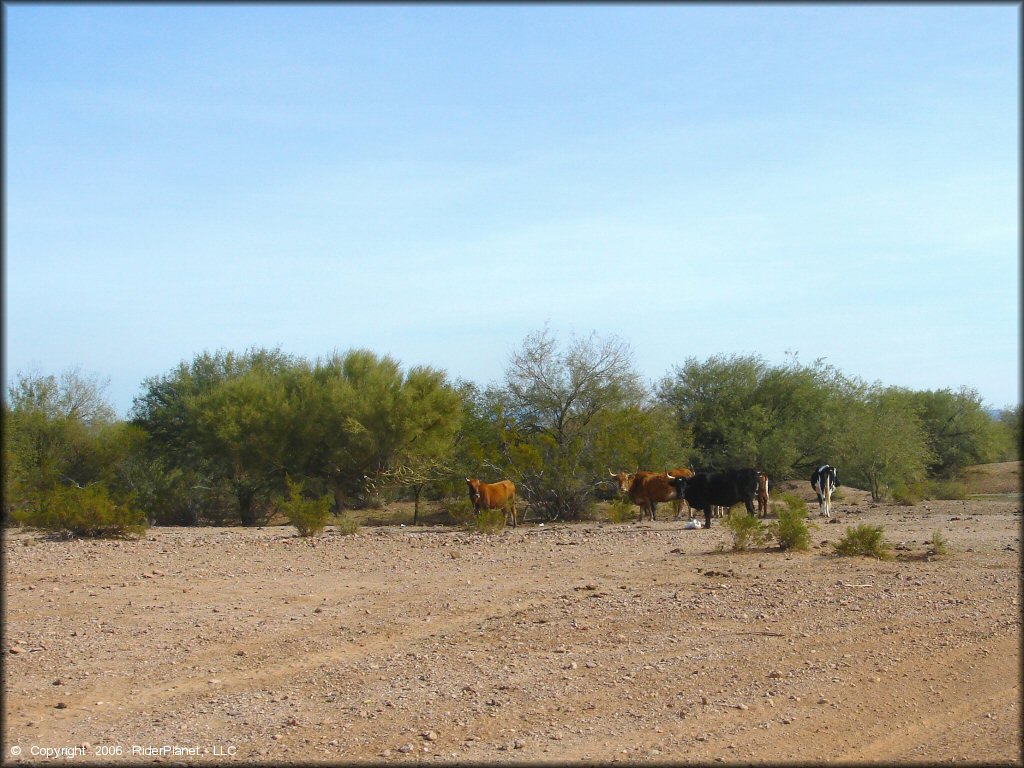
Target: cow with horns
[492, 496]
[704, 490]
[648, 489]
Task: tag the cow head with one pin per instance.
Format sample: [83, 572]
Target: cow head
[679, 483]
[474, 489]
[623, 479]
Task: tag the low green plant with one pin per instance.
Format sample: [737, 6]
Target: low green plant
[309, 516]
[620, 511]
[947, 489]
[747, 531]
[866, 541]
[906, 496]
[791, 530]
[939, 544]
[490, 520]
[345, 524]
[87, 512]
[460, 510]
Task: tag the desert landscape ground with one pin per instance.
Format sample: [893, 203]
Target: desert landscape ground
[556, 643]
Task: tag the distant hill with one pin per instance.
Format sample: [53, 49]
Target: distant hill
[1004, 477]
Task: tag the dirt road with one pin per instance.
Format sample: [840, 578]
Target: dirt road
[633, 642]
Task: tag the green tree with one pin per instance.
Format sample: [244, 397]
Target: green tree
[959, 431]
[59, 434]
[1009, 435]
[883, 441]
[220, 422]
[563, 417]
[364, 417]
[741, 412]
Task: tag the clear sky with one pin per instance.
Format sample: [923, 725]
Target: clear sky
[436, 182]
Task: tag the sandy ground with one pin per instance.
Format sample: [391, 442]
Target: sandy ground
[557, 643]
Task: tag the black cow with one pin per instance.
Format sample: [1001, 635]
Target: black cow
[722, 489]
[824, 481]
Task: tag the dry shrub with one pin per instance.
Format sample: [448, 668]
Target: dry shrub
[865, 541]
[747, 531]
[87, 512]
[947, 489]
[620, 511]
[309, 516]
[490, 521]
[939, 545]
[791, 529]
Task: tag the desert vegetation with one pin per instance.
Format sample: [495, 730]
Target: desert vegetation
[216, 440]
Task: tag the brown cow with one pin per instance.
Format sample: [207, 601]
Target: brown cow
[646, 489]
[762, 494]
[493, 495]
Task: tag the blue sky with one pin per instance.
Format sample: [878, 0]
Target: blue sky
[436, 182]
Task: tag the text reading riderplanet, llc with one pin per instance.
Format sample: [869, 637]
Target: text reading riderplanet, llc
[168, 750]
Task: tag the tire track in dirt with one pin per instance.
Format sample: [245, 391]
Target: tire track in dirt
[986, 688]
[291, 663]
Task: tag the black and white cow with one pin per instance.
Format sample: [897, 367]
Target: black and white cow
[723, 489]
[824, 481]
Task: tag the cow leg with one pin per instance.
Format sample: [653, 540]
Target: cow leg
[750, 506]
[707, 516]
[828, 502]
[654, 508]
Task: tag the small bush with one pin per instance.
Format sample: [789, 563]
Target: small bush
[864, 540]
[460, 510]
[309, 516]
[939, 545]
[947, 489]
[620, 510]
[746, 531]
[87, 512]
[490, 521]
[346, 525]
[906, 496]
[791, 529]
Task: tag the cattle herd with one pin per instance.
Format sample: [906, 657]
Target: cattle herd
[707, 492]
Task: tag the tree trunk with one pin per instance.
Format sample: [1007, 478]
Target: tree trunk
[418, 489]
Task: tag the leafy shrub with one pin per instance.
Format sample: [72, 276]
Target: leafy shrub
[346, 525]
[88, 512]
[460, 510]
[947, 489]
[791, 529]
[309, 516]
[620, 510]
[490, 521]
[939, 544]
[906, 496]
[746, 531]
[865, 540]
